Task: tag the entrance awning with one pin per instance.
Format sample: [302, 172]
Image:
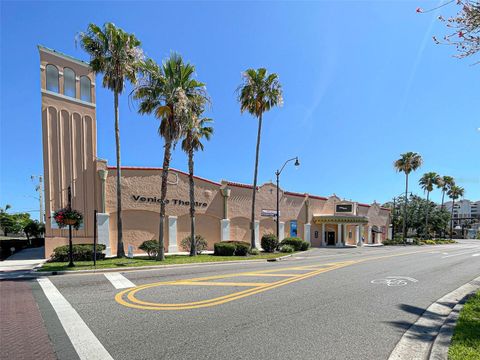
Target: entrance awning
[349, 219]
[376, 230]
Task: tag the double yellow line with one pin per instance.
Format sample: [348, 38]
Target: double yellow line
[128, 297]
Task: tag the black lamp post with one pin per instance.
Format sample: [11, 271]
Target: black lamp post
[70, 242]
[277, 173]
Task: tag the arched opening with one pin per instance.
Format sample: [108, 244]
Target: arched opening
[69, 82]
[52, 78]
[85, 91]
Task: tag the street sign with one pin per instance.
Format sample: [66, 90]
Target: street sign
[270, 213]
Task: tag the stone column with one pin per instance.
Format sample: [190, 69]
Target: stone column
[339, 235]
[103, 232]
[225, 229]
[172, 234]
[226, 194]
[281, 230]
[306, 232]
[257, 234]
[359, 235]
[103, 177]
[322, 236]
[369, 234]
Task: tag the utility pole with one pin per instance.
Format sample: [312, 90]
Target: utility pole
[39, 189]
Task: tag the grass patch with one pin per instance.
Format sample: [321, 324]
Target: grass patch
[466, 338]
[145, 261]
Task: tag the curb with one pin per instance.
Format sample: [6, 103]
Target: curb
[440, 319]
[36, 273]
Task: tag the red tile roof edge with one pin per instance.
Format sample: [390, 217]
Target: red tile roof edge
[231, 183]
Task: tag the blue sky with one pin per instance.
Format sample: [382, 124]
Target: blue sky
[363, 82]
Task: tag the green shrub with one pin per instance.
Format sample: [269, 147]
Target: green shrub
[429, 242]
[254, 252]
[81, 252]
[224, 249]
[150, 247]
[287, 249]
[241, 249]
[235, 242]
[269, 243]
[200, 243]
[297, 243]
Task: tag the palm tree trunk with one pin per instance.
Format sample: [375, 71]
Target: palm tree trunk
[426, 217]
[443, 196]
[193, 250]
[166, 163]
[451, 219]
[120, 249]
[405, 211]
[257, 153]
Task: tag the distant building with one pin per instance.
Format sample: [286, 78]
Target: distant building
[464, 210]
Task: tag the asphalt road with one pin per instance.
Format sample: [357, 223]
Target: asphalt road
[323, 305]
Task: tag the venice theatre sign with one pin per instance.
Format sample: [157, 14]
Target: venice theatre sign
[157, 200]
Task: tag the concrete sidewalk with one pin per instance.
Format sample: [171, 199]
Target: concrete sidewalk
[22, 262]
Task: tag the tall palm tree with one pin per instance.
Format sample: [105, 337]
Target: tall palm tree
[444, 183]
[454, 193]
[408, 162]
[259, 92]
[117, 55]
[427, 182]
[196, 130]
[166, 91]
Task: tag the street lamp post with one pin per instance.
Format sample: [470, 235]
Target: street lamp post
[277, 173]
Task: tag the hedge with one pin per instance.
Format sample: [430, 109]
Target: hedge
[297, 243]
[81, 252]
[223, 249]
[269, 242]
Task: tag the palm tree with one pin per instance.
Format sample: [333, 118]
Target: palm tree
[407, 163]
[117, 55]
[426, 182]
[167, 92]
[196, 130]
[444, 183]
[454, 193]
[259, 93]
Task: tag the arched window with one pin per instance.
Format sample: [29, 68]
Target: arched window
[52, 78]
[69, 82]
[85, 91]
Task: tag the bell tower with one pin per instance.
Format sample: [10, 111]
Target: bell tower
[69, 142]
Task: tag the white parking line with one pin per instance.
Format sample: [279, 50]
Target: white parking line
[87, 346]
[476, 255]
[119, 281]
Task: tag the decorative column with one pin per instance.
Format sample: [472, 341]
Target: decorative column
[103, 177]
[281, 230]
[257, 234]
[306, 233]
[369, 234]
[339, 235]
[103, 232]
[225, 222]
[224, 229]
[322, 236]
[359, 235]
[172, 234]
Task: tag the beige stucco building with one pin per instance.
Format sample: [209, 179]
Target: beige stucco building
[222, 208]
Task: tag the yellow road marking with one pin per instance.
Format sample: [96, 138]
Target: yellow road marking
[223, 283]
[312, 270]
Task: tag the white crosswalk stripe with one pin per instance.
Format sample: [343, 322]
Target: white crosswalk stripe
[119, 281]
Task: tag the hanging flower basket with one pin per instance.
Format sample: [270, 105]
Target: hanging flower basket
[65, 217]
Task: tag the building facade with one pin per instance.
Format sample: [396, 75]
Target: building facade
[222, 208]
[464, 210]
